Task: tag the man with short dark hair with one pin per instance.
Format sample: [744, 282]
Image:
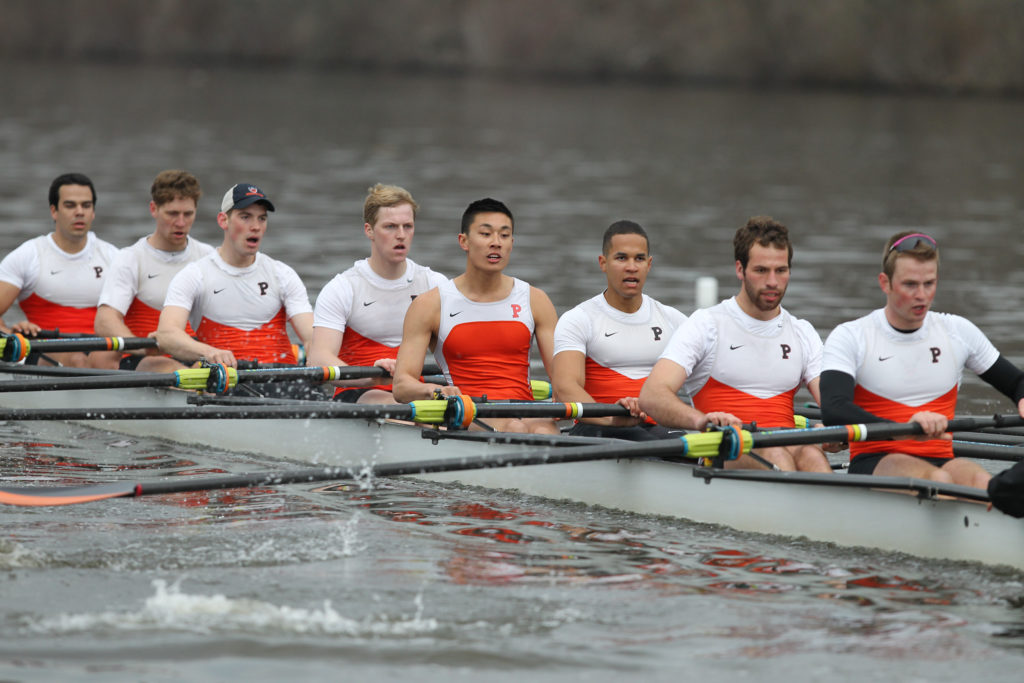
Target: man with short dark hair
[903, 363]
[744, 359]
[57, 278]
[134, 294]
[606, 346]
[237, 298]
[480, 325]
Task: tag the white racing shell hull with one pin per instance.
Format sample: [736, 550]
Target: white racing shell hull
[790, 505]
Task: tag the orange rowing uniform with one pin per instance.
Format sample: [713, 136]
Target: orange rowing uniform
[484, 347]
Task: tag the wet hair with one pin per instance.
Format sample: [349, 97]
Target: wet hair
[69, 179]
[485, 205]
[922, 251]
[380, 196]
[623, 228]
[762, 230]
[172, 184]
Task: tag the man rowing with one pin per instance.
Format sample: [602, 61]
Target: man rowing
[903, 363]
[56, 278]
[237, 299]
[480, 325]
[606, 346]
[358, 315]
[744, 359]
[134, 294]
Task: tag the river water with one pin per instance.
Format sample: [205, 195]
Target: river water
[423, 581]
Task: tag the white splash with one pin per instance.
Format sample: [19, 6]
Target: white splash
[170, 608]
[14, 555]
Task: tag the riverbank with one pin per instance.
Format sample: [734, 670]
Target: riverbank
[947, 46]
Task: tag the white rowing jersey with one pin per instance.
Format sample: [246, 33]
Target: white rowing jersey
[744, 366]
[369, 310]
[898, 374]
[241, 309]
[139, 278]
[483, 348]
[59, 290]
[619, 348]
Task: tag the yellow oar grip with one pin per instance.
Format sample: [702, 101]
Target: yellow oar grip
[429, 411]
[706, 444]
[541, 389]
[197, 379]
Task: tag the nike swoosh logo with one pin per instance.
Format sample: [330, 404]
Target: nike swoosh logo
[452, 315]
[54, 272]
[886, 358]
[218, 291]
[733, 348]
[409, 280]
[608, 334]
[150, 277]
[369, 303]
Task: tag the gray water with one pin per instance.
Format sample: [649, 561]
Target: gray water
[431, 582]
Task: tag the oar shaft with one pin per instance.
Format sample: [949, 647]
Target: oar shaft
[196, 377]
[119, 381]
[328, 410]
[92, 344]
[879, 431]
[325, 410]
[984, 451]
[15, 347]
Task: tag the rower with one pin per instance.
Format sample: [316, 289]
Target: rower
[744, 359]
[903, 363]
[606, 346]
[358, 315]
[480, 325]
[237, 299]
[134, 294]
[56, 278]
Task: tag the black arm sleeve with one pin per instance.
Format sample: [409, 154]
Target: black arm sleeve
[837, 406]
[1006, 377]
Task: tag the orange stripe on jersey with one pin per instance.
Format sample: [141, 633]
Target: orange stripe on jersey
[490, 358]
[899, 412]
[267, 343]
[776, 411]
[607, 386]
[51, 316]
[361, 351]
[143, 319]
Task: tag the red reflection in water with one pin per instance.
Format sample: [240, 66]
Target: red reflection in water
[495, 534]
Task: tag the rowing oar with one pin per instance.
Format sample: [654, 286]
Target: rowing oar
[704, 445]
[215, 378]
[457, 411]
[16, 347]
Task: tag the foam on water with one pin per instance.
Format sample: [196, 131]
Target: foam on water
[14, 555]
[171, 609]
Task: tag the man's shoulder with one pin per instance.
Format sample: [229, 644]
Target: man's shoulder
[105, 248]
[670, 312]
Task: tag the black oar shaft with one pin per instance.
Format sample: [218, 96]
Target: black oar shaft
[325, 410]
[92, 344]
[878, 431]
[119, 380]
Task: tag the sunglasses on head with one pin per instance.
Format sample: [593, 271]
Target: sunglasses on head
[911, 241]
